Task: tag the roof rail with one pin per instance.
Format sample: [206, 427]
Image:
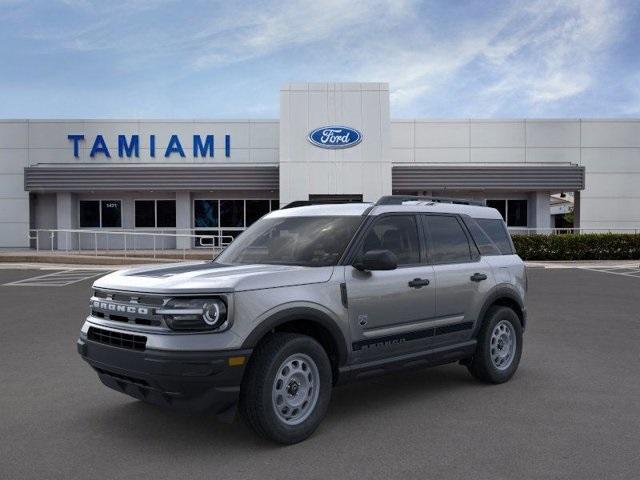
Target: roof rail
[306, 203]
[297, 203]
[400, 199]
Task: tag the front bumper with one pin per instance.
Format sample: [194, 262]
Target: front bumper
[187, 381]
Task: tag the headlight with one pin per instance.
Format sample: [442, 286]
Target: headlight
[195, 314]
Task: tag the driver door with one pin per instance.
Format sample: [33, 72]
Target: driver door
[389, 310]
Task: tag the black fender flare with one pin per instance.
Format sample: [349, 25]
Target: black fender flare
[497, 293]
[309, 314]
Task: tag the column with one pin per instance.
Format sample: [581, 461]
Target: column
[66, 219]
[183, 219]
[539, 210]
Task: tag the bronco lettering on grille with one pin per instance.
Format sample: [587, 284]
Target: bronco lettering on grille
[117, 307]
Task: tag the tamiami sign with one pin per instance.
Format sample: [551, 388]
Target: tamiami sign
[129, 146]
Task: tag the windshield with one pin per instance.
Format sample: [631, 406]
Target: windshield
[306, 241]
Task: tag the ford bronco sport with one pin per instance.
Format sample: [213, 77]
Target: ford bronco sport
[307, 298]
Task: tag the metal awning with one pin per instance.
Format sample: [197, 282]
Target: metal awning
[74, 178]
[562, 178]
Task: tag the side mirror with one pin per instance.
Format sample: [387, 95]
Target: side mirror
[376, 260]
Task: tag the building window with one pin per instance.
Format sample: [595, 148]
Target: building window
[166, 213]
[517, 213]
[89, 214]
[210, 217]
[145, 213]
[500, 205]
[205, 213]
[232, 213]
[256, 209]
[514, 212]
[155, 213]
[100, 214]
[111, 213]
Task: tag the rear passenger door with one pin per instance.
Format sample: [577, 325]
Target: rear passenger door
[462, 278]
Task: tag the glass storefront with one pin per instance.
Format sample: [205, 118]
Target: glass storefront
[226, 219]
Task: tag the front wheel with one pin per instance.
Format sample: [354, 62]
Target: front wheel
[286, 390]
[499, 346]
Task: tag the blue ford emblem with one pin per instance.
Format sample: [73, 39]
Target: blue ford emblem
[335, 137]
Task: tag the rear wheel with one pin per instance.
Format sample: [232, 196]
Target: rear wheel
[286, 390]
[499, 346]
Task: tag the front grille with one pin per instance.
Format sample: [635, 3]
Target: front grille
[128, 308]
[117, 339]
[153, 300]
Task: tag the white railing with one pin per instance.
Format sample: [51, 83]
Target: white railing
[127, 242]
[559, 231]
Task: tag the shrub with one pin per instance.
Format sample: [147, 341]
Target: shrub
[586, 246]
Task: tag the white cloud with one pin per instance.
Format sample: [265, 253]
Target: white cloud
[257, 32]
[544, 53]
[557, 59]
[219, 34]
[534, 53]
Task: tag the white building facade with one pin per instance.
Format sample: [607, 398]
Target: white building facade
[219, 176]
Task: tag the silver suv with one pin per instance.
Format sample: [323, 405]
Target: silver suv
[310, 297]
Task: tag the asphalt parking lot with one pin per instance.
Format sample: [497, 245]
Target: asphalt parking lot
[571, 411]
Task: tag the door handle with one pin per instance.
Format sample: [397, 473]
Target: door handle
[418, 283]
[478, 277]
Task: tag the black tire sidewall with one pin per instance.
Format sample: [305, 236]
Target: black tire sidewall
[273, 426]
[496, 315]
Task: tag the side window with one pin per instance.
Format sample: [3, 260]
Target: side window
[484, 243]
[498, 233]
[447, 242]
[397, 233]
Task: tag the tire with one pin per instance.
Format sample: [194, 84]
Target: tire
[492, 362]
[285, 371]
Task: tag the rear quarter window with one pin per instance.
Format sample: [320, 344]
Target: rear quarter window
[484, 243]
[497, 232]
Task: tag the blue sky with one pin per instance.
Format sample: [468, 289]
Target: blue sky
[227, 59]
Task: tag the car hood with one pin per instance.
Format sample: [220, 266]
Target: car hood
[210, 277]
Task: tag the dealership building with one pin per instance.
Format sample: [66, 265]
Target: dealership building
[332, 142]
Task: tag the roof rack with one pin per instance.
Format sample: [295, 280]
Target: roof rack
[400, 199]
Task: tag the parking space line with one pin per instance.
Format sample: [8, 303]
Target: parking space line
[60, 278]
[621, 270]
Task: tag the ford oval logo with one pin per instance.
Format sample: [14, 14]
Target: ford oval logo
[335, 136]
